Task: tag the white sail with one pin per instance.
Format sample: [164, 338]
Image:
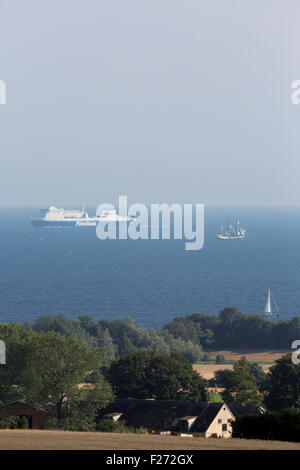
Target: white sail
[268, 304]
[269, 313]
[231, 232]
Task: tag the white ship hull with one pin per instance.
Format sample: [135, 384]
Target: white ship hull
[227, 237]
[232, 233]
[54, 217]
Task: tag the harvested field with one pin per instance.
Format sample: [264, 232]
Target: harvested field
[208, 370]
[60, 440]
[252, 355]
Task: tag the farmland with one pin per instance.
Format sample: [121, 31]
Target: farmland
[265, 358]
[252, 355]
[62, 440]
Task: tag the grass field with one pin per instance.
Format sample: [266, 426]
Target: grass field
[60, 440]
[265, 358]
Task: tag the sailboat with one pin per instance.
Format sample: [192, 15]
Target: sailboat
[232, 233]
[269, 313]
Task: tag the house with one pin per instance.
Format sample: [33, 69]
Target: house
[36, 418]
[214, 420]
[202, 418]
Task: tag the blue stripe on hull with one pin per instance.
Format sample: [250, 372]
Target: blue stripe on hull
[45, 223]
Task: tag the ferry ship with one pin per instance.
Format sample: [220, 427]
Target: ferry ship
[107, 215]
[59, 217]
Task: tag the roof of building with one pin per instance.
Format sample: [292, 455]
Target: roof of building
[185, 418]
[207, 416]
[163, 414]
[240, 409]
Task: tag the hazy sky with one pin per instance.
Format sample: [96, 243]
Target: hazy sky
[162, 100]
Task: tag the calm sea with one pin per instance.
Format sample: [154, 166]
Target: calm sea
[69, 271]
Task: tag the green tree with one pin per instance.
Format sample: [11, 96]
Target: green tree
[46, 370]
[55, 368]
[64, 326]
[220, 359]
[14, 336]
[128, 339]
[220, 378]
[214, 396]
[105, 341]
[87, 323]
[284, 389]
[148, 374]
[240, 384]
[262, 379]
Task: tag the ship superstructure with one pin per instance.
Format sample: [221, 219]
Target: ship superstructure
[59, 217]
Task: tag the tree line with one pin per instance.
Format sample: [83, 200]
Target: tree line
[71, 369]
[233, 329]
[189, 336]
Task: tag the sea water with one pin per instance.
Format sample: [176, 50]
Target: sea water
[69, 271]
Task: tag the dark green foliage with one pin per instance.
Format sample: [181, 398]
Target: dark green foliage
[8, 421]
[15, 338]
[128, 339]
[45, 369]
[221, 378]
[148, 374]
[240, 385]
[214, 396]
[233, 329]
[108, 425]
[284, 390]
[220, 359]
[22, 422]
[87, 324]
[197, 328]
[262, 379]
[279, 426]
[103, 342]
[65, 326]
[14, 422]
[186, 335]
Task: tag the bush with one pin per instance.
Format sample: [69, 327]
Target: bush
[272, 425]
[13, 422]
[22, 423]
[109, 425]
[214, 396]
[8, 422]
[220, 359]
